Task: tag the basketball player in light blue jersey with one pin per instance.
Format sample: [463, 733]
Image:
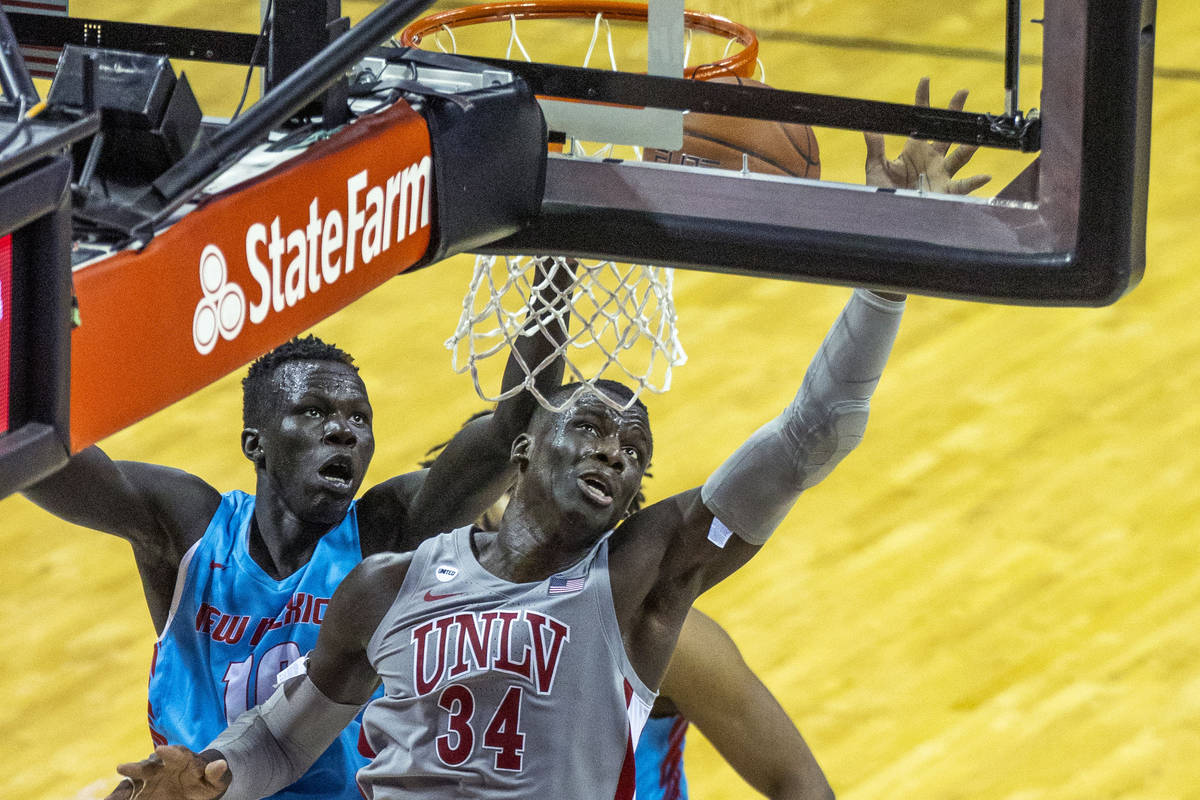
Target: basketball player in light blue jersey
[238, 585]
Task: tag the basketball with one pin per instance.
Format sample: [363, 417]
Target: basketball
[774, 148]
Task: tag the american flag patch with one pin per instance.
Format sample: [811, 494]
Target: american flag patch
[560, 584]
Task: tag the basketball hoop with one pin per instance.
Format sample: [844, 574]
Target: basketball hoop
[741, 63]
[622, 323]
[623, 315]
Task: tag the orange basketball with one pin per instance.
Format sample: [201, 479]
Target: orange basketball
[775, 148]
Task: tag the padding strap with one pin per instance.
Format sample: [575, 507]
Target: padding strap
[270, 746]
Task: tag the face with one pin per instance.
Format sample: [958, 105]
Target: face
[316, 442]
[589, 461]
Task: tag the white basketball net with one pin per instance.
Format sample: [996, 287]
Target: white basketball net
[622, 324]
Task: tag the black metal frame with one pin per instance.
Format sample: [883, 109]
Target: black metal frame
[199, 44]
[1080, 242]
[831, 111]
[1074, 235]
[35, 210]
[1008, 130]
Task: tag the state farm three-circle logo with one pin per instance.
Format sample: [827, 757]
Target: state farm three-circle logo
[222, 311]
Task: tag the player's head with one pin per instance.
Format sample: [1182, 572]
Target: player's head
[489, 520]
[259, 387]
[587, 460]
[307, 427]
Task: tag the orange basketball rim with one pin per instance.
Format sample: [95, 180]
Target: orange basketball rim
[741, 63]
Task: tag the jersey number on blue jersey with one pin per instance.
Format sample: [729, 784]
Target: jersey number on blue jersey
[247, 684]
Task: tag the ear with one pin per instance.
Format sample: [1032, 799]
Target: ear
[252, 445]
[519, 454]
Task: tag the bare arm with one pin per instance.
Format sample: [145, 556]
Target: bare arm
[270, 746]
[161, 511]
[473, 470]
[714, 689]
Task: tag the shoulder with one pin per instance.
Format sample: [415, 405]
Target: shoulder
[174, 492]
[382, 568]
[645, 538]
[384, 509]
[365, 595]
[377, 577]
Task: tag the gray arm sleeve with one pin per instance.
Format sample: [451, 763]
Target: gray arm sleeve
[270, 746]
[755, 488]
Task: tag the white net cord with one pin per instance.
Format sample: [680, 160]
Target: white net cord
[622, 326]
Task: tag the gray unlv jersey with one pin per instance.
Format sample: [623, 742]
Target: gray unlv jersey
[498, 690]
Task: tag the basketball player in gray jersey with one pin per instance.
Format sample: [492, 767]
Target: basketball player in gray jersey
[522, 662]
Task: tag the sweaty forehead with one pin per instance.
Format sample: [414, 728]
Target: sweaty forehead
[298, 378]
[590, 403]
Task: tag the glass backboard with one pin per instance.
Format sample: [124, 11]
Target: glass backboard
[1060, 98]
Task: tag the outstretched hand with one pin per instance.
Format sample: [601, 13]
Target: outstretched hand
[172, 772]
[920, 157]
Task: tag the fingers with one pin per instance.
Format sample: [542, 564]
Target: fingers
[957, 159]
[956, 104]
[217, 774]
[958, 101]
[968, 185]
[876, 151]
[923, 92]
[139, 769]
[172, 771]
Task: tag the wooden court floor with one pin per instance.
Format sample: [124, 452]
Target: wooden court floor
[997, 597]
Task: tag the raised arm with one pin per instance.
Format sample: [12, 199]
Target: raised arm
[270, 746]
[712, 687]
[668, 554]
[474, 469]
[161, 511]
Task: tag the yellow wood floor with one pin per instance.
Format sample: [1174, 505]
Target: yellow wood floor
[996, 597]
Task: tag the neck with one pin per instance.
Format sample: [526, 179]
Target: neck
[280, 542]
[526, 550]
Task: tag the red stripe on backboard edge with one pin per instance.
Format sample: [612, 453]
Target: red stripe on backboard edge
[5, 324]
[51, 6]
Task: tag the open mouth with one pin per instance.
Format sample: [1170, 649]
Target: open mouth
[596, 489]
[338, 472]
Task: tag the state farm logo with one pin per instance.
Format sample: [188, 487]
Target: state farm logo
[222, 310]
[290, 259]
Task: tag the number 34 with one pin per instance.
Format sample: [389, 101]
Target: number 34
[503, 733]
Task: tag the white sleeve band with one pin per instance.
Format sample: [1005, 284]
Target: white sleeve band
[755, 488]
[270, 746]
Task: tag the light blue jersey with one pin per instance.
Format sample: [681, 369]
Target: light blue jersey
[233, 627]
[659, 759]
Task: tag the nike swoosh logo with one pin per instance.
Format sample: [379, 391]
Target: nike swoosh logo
[430, 596]
[215, 565]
